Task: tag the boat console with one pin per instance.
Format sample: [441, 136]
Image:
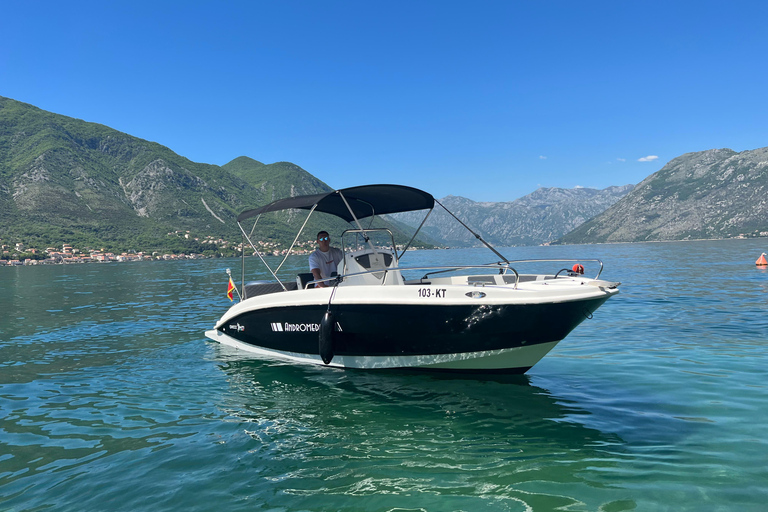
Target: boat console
[371, 266]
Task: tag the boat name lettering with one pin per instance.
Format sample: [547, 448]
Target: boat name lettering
[236, 327]
[296, 327]
[438, 293]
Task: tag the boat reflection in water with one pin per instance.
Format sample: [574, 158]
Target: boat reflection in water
[501, 408]
[407, 437]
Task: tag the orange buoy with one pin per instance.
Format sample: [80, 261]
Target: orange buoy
[761, 261]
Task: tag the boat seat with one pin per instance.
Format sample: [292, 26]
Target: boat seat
[256, 288]
[476, 280]
[510, 278]
[304, 278]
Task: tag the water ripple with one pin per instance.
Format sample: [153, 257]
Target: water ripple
[107, 386]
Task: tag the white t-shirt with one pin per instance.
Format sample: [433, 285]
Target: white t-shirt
[325, 262]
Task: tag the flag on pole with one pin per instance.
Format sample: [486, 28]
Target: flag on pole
[230, 290]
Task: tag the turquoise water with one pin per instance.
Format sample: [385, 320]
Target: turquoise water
[112, 399]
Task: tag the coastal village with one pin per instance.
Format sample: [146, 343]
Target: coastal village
[19, 254]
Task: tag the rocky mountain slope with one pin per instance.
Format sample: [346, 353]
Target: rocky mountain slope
[67, 180]
[275, 181]
[540, 217]
[65, 176]
[63, 179]
[710, 194]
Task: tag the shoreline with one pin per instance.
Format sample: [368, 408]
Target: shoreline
[182, 257]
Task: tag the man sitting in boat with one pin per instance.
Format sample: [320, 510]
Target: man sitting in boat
[325, 260]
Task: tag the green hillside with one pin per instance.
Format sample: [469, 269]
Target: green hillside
[64, 180]
[284, 179]
[279, 180]
[276, 181]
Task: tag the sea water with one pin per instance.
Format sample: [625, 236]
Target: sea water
[112, 399]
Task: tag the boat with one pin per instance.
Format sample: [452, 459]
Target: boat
[376, 314]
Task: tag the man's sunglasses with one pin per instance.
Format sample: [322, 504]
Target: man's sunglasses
[323, 239]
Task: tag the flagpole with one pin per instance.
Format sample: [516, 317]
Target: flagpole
[239, 297]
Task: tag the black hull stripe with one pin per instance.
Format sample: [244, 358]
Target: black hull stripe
[395, 330]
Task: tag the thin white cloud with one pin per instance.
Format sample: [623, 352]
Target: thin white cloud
[649, 158]
[621, 159]
[542, 157]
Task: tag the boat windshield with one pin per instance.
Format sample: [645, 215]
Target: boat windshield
[381, 239]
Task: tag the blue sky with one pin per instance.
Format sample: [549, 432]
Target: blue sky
[488, 100]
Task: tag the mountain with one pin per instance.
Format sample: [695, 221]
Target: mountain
[275, 181]
[279, 180]
[540, 217]
[717, 193]
[64, 180]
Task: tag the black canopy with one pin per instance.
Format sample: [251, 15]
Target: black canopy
[364, 201]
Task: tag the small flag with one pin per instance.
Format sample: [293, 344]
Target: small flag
[230, 290]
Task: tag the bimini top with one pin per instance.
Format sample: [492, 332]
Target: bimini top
[364, 201]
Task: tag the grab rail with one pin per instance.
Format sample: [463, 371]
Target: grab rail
[563, 260]
[503, 266]
[450, 268]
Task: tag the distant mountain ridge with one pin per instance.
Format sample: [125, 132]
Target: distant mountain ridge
[68, 180]
[64, 179]
[717, 193]
[540, 217]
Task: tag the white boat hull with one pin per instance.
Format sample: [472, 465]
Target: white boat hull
[512, 360]
[444, 327]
